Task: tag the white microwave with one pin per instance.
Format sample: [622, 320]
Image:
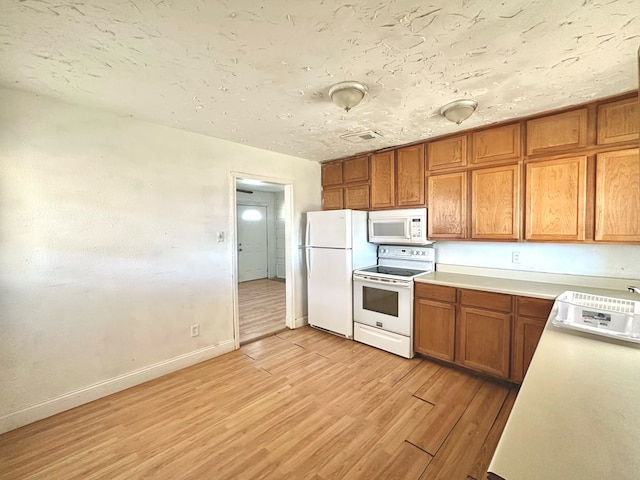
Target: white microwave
[399, 227]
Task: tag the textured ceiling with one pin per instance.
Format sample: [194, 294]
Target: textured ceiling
[258, 72]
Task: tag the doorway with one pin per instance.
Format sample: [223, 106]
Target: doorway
[261, 287]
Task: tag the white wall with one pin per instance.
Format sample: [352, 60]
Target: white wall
[617, 261]
[108, 250]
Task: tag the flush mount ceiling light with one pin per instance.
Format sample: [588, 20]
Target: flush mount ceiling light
[347, 94]
[459, 110]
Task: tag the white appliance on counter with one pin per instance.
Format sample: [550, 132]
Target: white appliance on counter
[399, 227]
[336, 245]
[383, 298]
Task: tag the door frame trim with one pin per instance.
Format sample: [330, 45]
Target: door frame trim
[289, 246]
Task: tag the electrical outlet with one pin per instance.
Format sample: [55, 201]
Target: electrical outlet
[515, 257]
[195, 330]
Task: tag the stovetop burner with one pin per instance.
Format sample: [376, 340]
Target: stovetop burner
[400, 272]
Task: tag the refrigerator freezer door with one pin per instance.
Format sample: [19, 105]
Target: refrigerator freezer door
[330, 290]
[329, 229]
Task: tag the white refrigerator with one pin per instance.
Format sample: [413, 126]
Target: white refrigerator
[336, 245]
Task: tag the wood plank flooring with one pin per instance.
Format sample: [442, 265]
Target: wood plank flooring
[261, 308]
[302, 404]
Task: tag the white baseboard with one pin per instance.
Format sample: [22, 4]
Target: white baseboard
[300, 322]
[84, 395]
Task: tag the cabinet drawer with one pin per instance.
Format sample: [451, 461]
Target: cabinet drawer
[534, 307]
[486, 300]
[435, 292]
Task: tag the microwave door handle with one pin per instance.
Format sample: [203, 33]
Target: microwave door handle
[408, 229]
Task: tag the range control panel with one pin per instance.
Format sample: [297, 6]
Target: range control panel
[410, 253]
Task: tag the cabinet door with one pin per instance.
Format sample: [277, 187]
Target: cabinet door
[434, 328]
[447, 214]
[356, 170]
[331, 174]
[555, 199]
[484, 340]
[561, 132]
[618, 196]
[496, 144]
[332, 199]
[618, 121]
[532, 314]
[383, 186]
[447, 153]
[495, 203]
[356, 197]
[410, 171]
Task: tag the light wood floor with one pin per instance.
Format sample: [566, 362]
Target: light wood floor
[299, 405]
[261, 308]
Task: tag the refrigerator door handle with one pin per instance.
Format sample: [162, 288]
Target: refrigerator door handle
[308, 232]
[308, 251]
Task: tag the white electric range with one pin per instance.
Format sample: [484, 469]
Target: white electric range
[383, 297]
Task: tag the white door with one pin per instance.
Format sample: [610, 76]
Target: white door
[329, 289]
[252, 242]
[329, 228]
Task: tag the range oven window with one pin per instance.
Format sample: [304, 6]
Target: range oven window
[388, 229]
[379, 300]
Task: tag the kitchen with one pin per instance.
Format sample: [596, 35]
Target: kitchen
[114, 218]
[490, 320]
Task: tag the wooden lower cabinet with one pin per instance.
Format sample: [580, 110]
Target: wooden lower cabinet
[484, 340]
[531, 317]
[487, 332]
[435, 328]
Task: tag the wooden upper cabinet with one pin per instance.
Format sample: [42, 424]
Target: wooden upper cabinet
[331, 174]
[556, 199]
[561, 132]
[618, 121]
[448, 153]
[383, 180]
[410, 174]
[618, 196]
[495, 203]
[332, 199]
[496, 144]
[447, 205]
[356, 170]
[356, 197]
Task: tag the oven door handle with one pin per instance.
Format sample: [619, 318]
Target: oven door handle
[383, 281]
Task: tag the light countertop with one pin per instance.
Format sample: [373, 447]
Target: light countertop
[577, 414]
[530, 284]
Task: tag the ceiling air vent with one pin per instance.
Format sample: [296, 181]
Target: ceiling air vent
[360, 137]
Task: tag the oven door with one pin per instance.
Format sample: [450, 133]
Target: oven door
[383, 303]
